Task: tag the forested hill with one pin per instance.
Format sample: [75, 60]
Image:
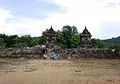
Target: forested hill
[112, 41]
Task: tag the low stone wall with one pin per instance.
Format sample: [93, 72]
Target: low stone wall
[22, 52]
[89, 53]
[64, 54]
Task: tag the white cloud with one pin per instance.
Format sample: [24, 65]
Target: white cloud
[4, 14]
[79, 13]
[91, 13]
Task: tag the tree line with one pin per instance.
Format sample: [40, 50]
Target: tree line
[67, 37]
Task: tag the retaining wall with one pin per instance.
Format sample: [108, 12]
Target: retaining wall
[65, 54]
[22, 52]
[89, 53]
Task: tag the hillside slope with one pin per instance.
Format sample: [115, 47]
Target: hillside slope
[112, 41]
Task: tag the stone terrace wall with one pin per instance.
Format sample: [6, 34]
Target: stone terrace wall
[22, 52]
[65, 54]
[89, 53]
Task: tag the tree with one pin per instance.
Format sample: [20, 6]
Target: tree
[68, 37]
[60, 39]
[2, 43]
[37, 40]
[20, 45]
[116, 46]
[11, 40]
[43, 37]
[98, 43]
[26, 41]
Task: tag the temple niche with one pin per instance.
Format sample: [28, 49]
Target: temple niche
[51, 40]
[85, 39]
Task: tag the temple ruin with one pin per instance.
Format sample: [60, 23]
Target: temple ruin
[85, 39]
[51, 40]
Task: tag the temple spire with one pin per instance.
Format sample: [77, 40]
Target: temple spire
[51, 27]
[85, 27]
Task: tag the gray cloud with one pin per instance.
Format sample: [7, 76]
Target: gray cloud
[113, 4]
[30, 8]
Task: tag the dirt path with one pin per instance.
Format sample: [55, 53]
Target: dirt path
[59, 71]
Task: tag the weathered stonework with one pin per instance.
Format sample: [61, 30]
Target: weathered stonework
[51, 40]
[88, 53]
[22, 52]
[75, 53]
[85, 39]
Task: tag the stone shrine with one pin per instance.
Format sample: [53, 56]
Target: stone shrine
[85, 39]
[51, 40]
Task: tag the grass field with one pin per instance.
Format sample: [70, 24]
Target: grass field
[36, 71]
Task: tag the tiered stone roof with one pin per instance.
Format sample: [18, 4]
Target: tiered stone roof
[86, 33]
[85, 39]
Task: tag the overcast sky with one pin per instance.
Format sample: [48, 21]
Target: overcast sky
[21, 17]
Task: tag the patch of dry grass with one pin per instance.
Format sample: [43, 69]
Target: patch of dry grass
[36, 71]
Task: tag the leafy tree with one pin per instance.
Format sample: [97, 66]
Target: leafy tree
[68, 37]
[10, 40]
[2, 43]
[98, 43]
[20, 45]
[26, 40]
[60, 39]
[116, 46]
[75, 41]
[35, 41]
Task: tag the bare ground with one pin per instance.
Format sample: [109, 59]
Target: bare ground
[36, 71]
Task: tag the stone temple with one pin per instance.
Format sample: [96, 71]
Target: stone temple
[85, 39]
[51, 40]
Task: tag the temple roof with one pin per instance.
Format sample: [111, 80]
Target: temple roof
[86, 33]
[51, 30]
